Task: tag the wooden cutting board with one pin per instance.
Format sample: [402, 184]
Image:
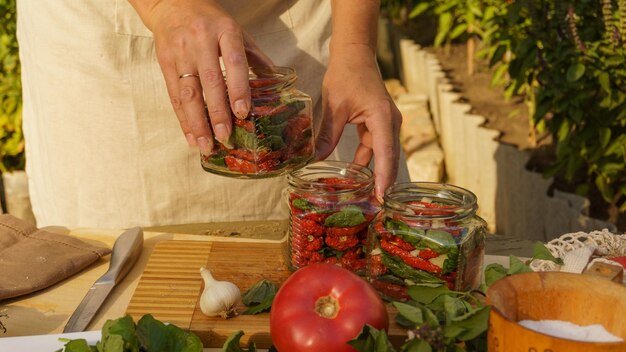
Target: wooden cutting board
[170, 287]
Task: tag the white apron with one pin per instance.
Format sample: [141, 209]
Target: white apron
[103, 146]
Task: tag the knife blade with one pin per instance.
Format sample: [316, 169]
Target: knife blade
[124, 255]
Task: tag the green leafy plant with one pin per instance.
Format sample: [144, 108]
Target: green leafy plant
[571, 61]
[149, 334]
[567, 59]
[11, 138]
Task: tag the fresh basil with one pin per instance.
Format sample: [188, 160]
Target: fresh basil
[244, 139]
[427, 294]
[371, 339]
[149, 335]
[540, 251]
[232, 344]
[303, 204]
[400, 269]
[218, 159]
[516, 266]
[439, 241]
[406, 233]
[348, 216]
[272, 142]
[259, 297]
[493, 273]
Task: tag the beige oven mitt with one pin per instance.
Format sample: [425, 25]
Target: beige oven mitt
[33, 259]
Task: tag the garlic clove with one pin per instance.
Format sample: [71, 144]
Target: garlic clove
[218, 297]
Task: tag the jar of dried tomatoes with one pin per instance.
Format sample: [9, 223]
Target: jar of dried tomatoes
[277, 135]
[426, 233]
[331, 204]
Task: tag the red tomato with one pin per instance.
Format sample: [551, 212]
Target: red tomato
[621, 260]
[321, 307]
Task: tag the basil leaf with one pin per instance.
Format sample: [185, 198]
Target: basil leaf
[78, 345]
[259, 292]
[272, 142]
[348, 216]
[264, 306]
[452, 331]
[516, 266]
[154, 335]
[540, 251]
[453, 307]
[417, 345]
[406, 233]
[400, 269]
[425, 294]
[439, 241]
[232, 344]
[409, 312]
[451, 263]
[475, 323]
[276, 129]
[303, 204]
[217, 159]
[244, 139]
[148, 335]
[371, 339]
[112, 343]
[121, 329]
[493, 273]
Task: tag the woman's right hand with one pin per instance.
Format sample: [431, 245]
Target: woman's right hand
[190, 37]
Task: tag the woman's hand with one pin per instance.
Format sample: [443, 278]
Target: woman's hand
[353, 92]
[190, 37]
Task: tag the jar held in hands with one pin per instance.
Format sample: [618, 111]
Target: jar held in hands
[277, 135]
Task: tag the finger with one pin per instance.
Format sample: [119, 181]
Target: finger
[237, 74]
[256, 57]
[190, 91]
[363, 154]
[214, 89]
[329, 133]
[171, 82]
[386, 147]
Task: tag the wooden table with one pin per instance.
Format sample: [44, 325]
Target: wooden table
[47, 311]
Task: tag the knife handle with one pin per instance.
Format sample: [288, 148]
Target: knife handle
[125, 253]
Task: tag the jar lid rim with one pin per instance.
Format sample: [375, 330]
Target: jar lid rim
[459, 202]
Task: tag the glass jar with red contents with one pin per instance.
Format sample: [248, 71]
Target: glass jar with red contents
[331, 204]
[277, 135]
[426, 233]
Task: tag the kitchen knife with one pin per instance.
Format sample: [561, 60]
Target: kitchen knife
[125, 253]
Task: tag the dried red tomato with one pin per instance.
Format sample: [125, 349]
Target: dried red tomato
[407, 258]
[396, 291]
[342, 242]
[240, 165]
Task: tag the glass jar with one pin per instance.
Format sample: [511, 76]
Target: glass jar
[277, 135]
[331, 204]
[427, 233]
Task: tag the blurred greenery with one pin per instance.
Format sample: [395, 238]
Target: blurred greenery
[11, 137]
[567, 59]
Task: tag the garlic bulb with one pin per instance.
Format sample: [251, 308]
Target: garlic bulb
[218, 297]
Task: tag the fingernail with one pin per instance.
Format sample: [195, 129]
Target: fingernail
[190, 140]
[206, 146]
[221, 132]
[380, 193]
[241, 109]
